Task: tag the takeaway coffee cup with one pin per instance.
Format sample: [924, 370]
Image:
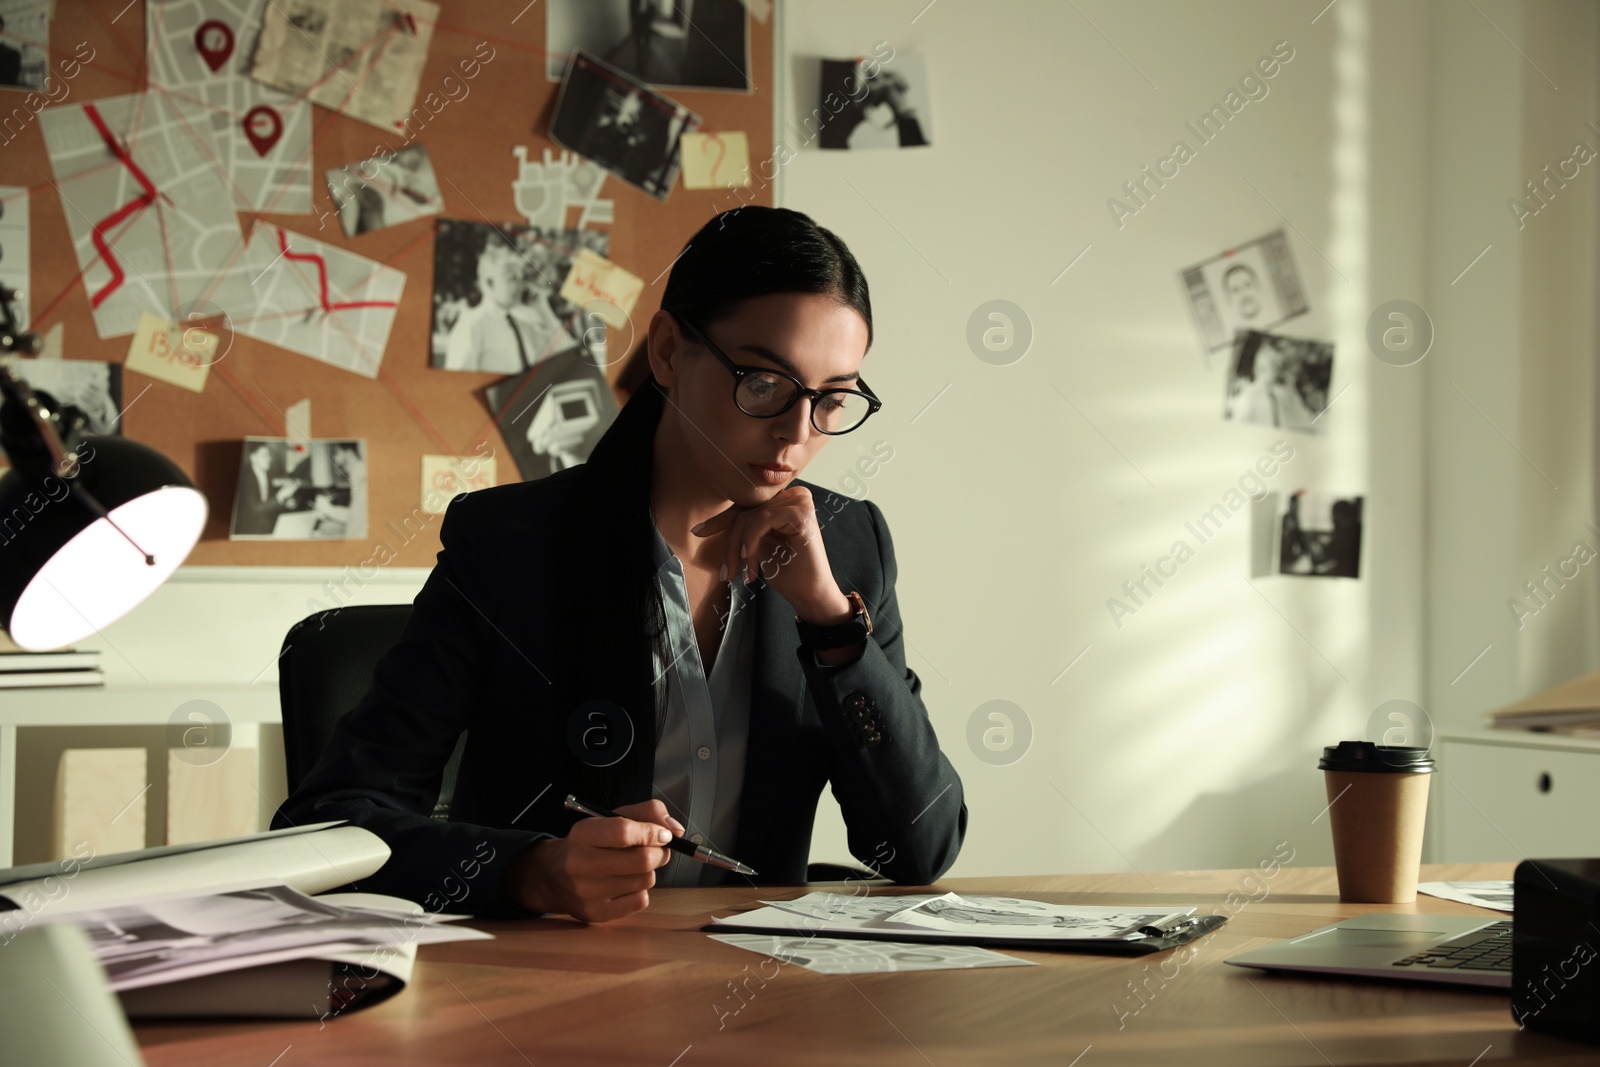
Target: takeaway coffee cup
[1378, 805]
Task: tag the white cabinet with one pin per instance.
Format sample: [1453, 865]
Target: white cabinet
[1510, 795]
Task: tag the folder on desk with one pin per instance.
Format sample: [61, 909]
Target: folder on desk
[947, 918]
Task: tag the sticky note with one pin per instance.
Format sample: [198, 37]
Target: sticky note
[599, 285]
[166, 351]
[445, 477]
[715, 160]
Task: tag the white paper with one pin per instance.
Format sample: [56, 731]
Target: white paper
[1494, 893]
[319, 300]
[828, 955]
[14, 248]
[165, 215]
[932, 915]
[263, 176]
[169, 940]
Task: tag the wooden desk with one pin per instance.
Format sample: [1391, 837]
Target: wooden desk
[651, 989]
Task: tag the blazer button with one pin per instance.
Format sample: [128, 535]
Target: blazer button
[858, 714]
[855, 700]
[872, 737]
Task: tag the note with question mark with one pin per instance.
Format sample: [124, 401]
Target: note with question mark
[715, 160]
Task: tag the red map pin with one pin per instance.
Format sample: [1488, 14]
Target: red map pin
[263, 127]
[215, 41]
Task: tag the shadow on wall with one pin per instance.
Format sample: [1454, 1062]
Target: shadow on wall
[1240, 828]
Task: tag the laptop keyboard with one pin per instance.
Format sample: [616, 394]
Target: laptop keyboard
[1488, 949]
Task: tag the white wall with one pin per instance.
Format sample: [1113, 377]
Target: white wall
[1188, 736]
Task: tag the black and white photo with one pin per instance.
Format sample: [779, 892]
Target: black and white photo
[1278, 381]
[385, 191]
[24, 43]
[868, 105]
[1253, 287]
[680, 44]
[1319, 535]
[552, 416]
[92, 387]
[607, 115]
[497, 304]
[307, 490]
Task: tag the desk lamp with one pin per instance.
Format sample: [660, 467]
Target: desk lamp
[90, 524]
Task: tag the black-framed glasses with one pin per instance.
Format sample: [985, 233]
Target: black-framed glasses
[763, 393]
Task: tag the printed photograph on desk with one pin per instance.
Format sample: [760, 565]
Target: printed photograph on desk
[301, 490]
[687, 44]
[385, 191]
[24, 43]
[1278, 381]
[863, 103]
[497, 303]
[552, 416]
[92, 387]
[1252, 287]
[609, 116]
[1319, 535]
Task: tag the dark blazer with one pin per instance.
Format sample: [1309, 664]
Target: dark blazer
[476, 655]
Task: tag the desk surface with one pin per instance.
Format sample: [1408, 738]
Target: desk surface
[651, 989]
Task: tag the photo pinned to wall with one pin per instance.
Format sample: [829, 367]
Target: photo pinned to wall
[1252, 287]
[92, 387]
[616, 120]
[1278, 381]
[307, 491]
[867, 104]
[24, 43]
[497, 304]
[680, 44]
[14, 248]
[380, 192]
[1319, 534]
[552, 416]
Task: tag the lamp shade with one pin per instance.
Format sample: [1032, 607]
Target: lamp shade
[66, 571]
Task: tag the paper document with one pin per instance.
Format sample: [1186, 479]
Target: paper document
[1494, 894]
[827, 955]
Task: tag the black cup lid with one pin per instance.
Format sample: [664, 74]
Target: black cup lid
[1366, 756]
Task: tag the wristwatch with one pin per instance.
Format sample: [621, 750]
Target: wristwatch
[815, 638]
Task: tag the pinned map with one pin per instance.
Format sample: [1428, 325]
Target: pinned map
[152, 221]
[199, 52]
[319, 300]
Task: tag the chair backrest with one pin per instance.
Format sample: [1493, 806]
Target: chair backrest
[326, 667]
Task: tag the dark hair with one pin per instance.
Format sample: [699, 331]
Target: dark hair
[608, 604]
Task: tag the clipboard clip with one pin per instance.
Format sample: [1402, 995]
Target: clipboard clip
[1171, 927]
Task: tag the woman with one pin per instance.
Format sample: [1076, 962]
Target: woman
[591, 633]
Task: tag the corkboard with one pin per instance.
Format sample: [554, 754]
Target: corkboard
[411, 409]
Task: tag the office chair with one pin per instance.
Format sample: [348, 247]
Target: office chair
[325, 669]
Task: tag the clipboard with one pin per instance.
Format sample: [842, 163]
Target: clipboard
[1158, 938]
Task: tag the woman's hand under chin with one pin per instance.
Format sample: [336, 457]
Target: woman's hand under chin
[780, 541]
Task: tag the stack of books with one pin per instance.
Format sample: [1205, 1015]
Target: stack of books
[1572, 709]
[28, 670]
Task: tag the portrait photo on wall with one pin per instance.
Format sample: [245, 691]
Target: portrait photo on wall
[24, 43]
[886, 109]
[1278, 381]
[309, 490]
[677, 44]
[1252, 287]
[92, 387]
[616, 120]
[552, 416]
[497, 303]
[381, 191]
[1319, 535]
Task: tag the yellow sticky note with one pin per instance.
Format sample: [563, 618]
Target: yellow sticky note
[715, 160]
[168, 352]
[446, 477]
[599, 285]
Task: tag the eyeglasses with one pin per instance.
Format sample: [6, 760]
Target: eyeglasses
[764, 394]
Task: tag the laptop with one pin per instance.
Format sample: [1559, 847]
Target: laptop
[1456, 949]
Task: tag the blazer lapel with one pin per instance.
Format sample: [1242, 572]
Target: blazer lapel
[776, 685]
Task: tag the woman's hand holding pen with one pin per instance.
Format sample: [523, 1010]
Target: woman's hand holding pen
[781, 541]
[602, 870]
